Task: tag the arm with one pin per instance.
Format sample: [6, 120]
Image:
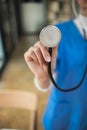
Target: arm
[37, 58]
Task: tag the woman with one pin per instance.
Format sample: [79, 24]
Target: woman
[64, 111]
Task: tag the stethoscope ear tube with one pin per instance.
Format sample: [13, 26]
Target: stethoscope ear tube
[54, 83]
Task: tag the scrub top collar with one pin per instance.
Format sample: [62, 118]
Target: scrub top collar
[83, 20]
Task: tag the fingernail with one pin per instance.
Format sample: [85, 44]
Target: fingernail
[48, 58]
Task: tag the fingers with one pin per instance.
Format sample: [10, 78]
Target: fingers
[35, 54]
[30, 55]
[44, 51]
[54, 52]
[39, 54]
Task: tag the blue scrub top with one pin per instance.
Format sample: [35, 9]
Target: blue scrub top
[68, 111]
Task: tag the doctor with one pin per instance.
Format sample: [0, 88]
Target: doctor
[64, 111]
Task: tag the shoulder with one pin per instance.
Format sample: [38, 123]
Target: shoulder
[66, 29]
[65, 26]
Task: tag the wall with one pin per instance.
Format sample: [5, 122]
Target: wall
[33, 16]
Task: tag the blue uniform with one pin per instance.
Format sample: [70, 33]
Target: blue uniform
[68, 111]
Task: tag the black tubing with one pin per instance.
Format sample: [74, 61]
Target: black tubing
[54, 83]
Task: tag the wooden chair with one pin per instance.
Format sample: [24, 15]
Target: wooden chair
[20, 100]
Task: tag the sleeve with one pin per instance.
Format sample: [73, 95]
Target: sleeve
[42, 89]
[39, 87]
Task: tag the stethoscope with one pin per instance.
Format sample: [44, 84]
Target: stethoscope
[50, 36]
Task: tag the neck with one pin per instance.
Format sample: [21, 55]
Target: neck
[81, 23]
[83, 20]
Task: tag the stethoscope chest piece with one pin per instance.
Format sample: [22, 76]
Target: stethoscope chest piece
[50, 36]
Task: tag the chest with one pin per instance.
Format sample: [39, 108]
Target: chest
[75, 52]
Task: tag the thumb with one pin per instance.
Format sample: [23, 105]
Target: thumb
[54, 54]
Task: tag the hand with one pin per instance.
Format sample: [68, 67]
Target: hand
[37, 58]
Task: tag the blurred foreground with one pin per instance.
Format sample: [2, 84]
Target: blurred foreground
[18, 76]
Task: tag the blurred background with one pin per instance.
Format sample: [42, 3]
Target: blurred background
[20, 24]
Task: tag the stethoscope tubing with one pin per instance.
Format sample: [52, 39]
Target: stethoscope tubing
[57, 86]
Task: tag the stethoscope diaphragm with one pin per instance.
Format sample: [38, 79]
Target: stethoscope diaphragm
[50, 36]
